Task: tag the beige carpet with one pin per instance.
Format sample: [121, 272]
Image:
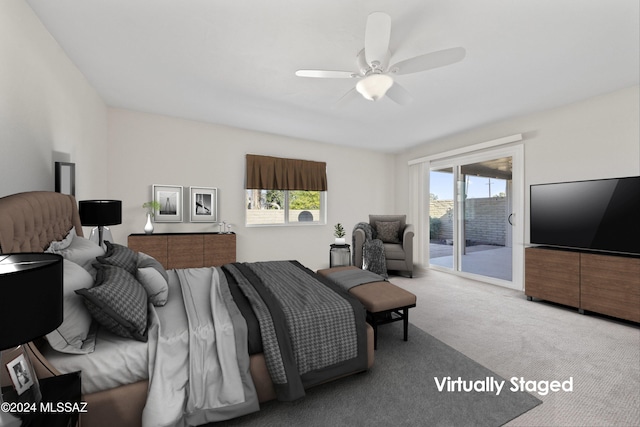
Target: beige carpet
[538, 341]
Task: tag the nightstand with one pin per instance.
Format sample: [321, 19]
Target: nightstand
[61, 399]
[339, 255]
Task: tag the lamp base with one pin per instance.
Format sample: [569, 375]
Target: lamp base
[18, 379]
[106, 235]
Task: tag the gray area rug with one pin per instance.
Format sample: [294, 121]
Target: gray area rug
[400, 389]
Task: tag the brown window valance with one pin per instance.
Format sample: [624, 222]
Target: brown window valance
[275, 173]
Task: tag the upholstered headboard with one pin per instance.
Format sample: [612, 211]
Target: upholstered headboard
[30, 221]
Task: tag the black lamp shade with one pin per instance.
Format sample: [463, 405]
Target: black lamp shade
[30, 296]
[100, 212]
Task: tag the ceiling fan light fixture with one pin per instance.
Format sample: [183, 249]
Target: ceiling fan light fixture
[374, 86]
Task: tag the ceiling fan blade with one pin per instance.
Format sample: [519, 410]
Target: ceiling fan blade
[376, 37]
[429, 61]
[399, 95]
[326, 74]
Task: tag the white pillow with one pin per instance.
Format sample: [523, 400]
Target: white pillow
[80, 251]
[153, 277]
[74, 334]
[62, 244]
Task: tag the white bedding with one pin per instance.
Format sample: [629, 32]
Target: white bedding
[208, 388]
[213, 387]
[116, 361]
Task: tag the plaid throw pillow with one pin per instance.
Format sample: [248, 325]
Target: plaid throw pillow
[120, 256]
[118, 302]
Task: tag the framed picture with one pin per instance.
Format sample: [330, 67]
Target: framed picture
[169, 197]
[203, 204]
[20, 374]
[66, 178]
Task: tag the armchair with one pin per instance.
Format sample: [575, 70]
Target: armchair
[397, 239]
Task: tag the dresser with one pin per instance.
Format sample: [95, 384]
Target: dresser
[186, 250]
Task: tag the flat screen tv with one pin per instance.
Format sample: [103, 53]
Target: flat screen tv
[597, 215]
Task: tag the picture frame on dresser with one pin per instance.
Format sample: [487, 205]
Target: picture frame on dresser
[170, 200]
[203, 204]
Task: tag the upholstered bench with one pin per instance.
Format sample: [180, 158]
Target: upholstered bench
[384, 301]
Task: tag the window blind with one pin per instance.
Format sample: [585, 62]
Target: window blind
[276, 173]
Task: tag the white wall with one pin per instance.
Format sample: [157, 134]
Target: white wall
[592, 139]
[48, 111]
[146, 149]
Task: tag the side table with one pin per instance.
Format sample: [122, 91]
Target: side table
[61, 401]
[339, 255]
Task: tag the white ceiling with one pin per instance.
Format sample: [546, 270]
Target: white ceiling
[233, 62]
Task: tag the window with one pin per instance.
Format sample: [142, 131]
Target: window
[282, 207]
[285, 191]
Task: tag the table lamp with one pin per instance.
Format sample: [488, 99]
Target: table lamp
[30, 307]
[100, 213]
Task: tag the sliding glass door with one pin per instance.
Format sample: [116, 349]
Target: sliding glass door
[486, 240]
[473, 218]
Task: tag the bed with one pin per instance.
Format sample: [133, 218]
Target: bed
[39, 221]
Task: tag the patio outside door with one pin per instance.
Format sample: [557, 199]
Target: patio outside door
[472, 218]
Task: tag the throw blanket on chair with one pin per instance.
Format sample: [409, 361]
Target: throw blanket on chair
[373, 258]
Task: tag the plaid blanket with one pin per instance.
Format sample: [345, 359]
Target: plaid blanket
[311, 329]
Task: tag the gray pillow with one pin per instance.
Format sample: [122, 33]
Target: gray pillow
[155, 286]
[118, 302]
[154, 278]
[145, 260]
[388, 231]
[74, 335]
[120, 256]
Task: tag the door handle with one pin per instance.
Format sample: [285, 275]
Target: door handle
[509, 219]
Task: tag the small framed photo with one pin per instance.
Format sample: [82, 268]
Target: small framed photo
[66, 178]
[20, 374]
[169, 198]
[203, 204]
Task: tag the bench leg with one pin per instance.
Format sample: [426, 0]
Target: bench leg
[405, 318]
[375, 335]
[388, 316]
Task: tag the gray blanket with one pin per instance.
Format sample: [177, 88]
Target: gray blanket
[312, 330]
[347, 279]
[373, 258]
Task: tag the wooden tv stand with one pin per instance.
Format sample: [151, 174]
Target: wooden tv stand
[601, 283]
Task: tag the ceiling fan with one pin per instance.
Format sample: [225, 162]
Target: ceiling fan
[375, 76]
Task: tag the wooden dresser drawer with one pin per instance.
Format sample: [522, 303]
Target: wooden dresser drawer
[186, 250]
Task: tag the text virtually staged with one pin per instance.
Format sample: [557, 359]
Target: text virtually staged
[493, 385]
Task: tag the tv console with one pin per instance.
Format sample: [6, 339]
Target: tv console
[602, 283]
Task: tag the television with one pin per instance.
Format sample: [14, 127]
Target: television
[598, 215]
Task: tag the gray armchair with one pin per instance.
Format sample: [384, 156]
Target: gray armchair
[398, 248]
